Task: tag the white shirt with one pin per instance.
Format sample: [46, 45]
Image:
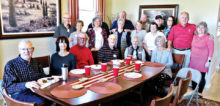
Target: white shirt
[149, 39]
[98, 38]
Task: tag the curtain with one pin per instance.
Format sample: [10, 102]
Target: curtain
[100, 6]
[73, 9]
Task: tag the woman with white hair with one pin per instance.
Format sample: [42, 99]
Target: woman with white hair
[201, 52]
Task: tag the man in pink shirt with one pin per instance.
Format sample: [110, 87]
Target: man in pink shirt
[180, 37]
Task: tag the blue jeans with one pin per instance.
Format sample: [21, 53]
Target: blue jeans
[28, 96]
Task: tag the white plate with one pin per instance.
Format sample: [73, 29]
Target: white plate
[44, 82]
[133, 75]
[96, 67]
[78, 71]
[77, 87]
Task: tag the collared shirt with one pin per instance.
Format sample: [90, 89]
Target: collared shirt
[17, 72]
[63, 31]
[104, 25]
[128, 25]
[106, 54]
[83, 56]
[181, 37]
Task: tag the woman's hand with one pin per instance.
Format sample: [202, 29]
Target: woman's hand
[93, 49]
[207, 64]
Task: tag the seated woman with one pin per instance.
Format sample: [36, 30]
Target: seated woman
[97, 35]
[139, 32]
[162, 55]
[123, 38]
[170, 23]
[62, 56]
[135, 50]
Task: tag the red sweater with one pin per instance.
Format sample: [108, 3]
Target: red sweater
[83, 56]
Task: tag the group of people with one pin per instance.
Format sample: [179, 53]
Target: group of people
[153, 42]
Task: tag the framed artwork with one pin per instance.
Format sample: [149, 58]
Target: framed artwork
[28, 18]
[153, 10]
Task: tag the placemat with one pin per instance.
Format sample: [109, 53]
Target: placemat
[105, 87]
[66, 91]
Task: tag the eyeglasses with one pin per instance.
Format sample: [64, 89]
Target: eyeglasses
[25, 49]
[82, 38]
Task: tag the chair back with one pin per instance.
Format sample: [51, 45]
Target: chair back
[12, 102]
[182, 89]
[165, 101]
[44, 60]
[196, 75]
[178, 59]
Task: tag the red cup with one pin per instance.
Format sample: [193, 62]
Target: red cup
[87, 70]
[115, 71]
[104, 67]
[128, 61]
[137, 65]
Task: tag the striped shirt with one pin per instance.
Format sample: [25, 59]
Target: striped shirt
[106, 54]
[17, 72]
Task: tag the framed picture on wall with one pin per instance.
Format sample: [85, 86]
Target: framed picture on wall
[28, 18]
[153, 10]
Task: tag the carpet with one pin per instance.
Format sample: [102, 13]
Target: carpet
[202, 102]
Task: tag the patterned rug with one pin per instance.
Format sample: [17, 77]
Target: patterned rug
[202, 102]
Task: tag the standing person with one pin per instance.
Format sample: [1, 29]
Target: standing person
[83, 54]
[145, 24]
[140, 32]
[169, 24]
[180, 37]
[136, 51]
[201, 52]
[123, 40]
[21, 75]
[149, 39]
[97, 35]
[128, 26]
[159, 21]
[62, 56]
[64, 29]
[104, 25]
[108, 52]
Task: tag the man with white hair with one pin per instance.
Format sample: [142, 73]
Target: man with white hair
[21, 73]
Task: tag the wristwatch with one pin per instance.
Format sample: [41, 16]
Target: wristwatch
[210, 60]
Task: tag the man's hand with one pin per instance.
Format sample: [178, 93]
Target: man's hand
[32, 84]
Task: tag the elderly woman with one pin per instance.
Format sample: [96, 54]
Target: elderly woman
[139, 32]
[148, 43]
[201, 52]
[162, 55]
[97, 35]
[109, 51]
[170, 23]
[135, 50]
[62, 56]
[123, 40]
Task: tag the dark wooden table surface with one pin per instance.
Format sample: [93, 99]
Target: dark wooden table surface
[150, 70]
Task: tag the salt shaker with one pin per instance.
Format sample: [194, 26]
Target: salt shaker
[64, 69]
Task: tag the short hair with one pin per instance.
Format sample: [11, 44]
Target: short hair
[62, 39]
[153, 23]
[142, 26]
[80, 21]
[24, 41]
[204, 24]
[113, 35]
[93, 20]
[184, 12]
[121, 20]
[123, 12]
[160, 38]
[83, 34]
[134, 37]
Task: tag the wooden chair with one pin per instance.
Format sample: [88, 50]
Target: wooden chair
[165, 101]
[44, 60]
[181, 89]
[12, 102]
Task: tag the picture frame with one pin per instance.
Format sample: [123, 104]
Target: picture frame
[164, 10]
[29, 18]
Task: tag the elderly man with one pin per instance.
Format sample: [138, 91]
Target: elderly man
[143, 19]
[103, 24]
[109, 51]
[64, 29]
[137, 52]
[180, 37]
[21, 73]
[128, 26]
[83, 54]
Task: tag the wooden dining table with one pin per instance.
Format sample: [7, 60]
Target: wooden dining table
[148, 69]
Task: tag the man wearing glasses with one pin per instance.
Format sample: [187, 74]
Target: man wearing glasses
[21, 73]
[83, 54]
[64, 29]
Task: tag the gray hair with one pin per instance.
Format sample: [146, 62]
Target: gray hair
[83, 34]
[184, 12]
[113, 35]
[204, 24]
[94, 19]
[134, 37]
[121, 20]
[160, 38]
[24, 41]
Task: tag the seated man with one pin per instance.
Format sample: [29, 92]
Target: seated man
[108, 52]
[135, 51]
[81, 52]
[21, 73]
